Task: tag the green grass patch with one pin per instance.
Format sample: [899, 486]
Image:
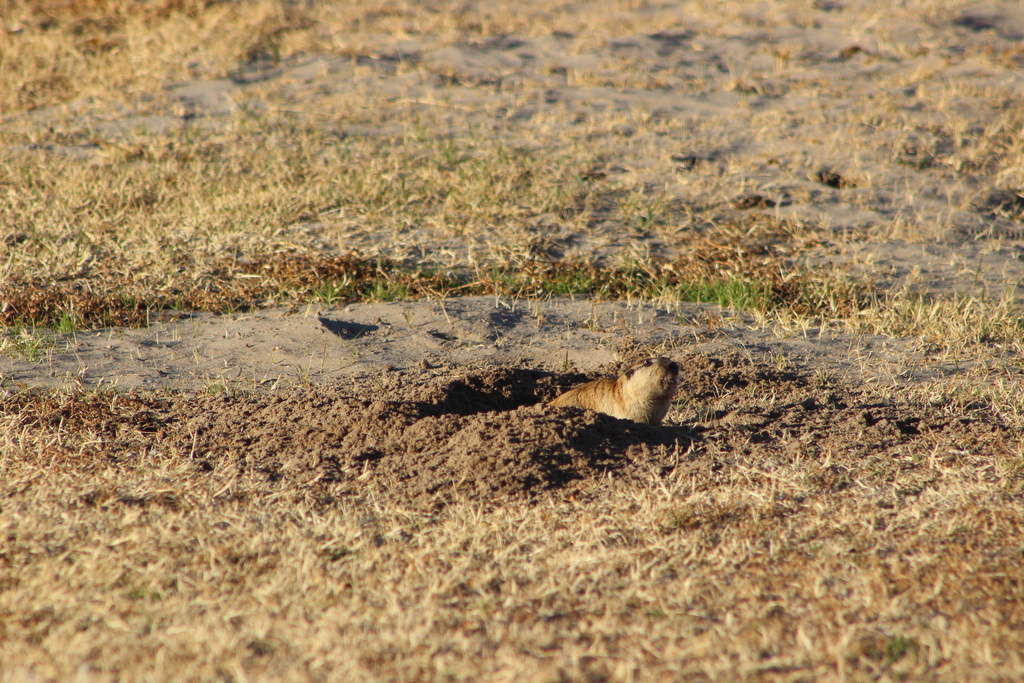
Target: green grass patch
[28, 342]
[729, 293]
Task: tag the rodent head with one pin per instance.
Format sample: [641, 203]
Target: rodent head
[655, 376]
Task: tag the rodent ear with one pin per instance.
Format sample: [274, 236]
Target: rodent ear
[629, 373]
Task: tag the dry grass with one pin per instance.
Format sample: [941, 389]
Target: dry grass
[122, 558]
[186, 221]
[222, 225]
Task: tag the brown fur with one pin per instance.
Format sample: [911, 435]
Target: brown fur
[642, 393]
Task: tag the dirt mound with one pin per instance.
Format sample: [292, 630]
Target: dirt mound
[476, 436]
[427, 437]
[487, 436]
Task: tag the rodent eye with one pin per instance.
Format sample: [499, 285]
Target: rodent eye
[647, 363]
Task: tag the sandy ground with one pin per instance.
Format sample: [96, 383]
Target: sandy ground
[290, 346]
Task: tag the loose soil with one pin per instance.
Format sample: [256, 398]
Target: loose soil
[486, 435]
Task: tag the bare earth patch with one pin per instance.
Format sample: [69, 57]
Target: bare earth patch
[480, 436]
